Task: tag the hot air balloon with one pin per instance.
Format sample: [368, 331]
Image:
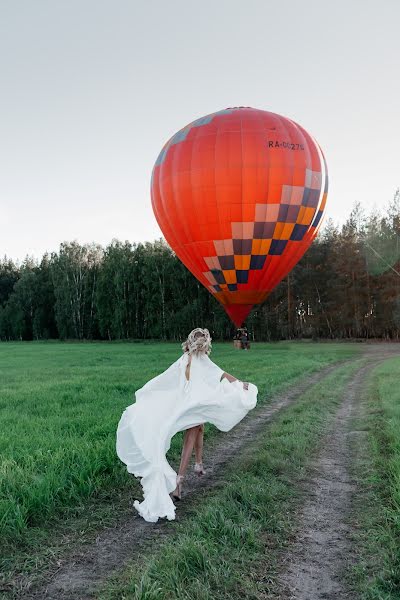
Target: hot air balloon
[239, 196]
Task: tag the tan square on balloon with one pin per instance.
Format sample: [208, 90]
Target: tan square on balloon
[210, 278]
[248, 230]
[316, 180]
[212, 262]
[242, 231]
[261, 211]
[308, 178]
[296, 196]
[223, 247]
[271, 212]
[286, 194]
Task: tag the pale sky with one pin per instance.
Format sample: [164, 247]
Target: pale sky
[91, 90]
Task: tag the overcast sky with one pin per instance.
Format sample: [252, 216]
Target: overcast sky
[91, 90]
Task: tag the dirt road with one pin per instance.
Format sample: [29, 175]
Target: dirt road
[314, 567]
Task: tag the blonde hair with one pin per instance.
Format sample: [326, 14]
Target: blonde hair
[198, 342]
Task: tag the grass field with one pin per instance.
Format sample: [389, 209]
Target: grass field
[60, 404]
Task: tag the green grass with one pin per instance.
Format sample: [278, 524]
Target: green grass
[60, 404]
[228, 549]
[377, 574]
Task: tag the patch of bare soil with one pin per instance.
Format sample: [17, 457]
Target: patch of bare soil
[314, 565]
[79, 573]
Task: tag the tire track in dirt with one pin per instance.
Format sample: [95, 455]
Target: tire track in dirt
[80, 572]
[315, 564]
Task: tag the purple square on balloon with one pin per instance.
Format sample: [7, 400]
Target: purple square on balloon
[277, 247]
[226, 262]
[298, 232]
[292, 214]
[264, 231]
[242, 276]
[257, 261]
[242, 247]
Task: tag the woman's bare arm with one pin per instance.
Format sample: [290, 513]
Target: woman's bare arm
[231, 378]
[187, 370]
[228, 377]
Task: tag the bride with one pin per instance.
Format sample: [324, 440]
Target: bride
[192, 391]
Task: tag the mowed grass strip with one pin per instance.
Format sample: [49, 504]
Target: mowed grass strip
[376, 576]
[229, 547]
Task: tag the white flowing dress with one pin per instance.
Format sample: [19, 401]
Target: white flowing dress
[165, 405]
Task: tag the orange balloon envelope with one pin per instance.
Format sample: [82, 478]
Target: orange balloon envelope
[239, 196]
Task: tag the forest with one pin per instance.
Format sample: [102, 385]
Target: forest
[346, 286]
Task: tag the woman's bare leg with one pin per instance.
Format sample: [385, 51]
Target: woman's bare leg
[198, 444]
[189, 438]
[188, 445]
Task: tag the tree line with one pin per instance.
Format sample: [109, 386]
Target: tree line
[346, 286]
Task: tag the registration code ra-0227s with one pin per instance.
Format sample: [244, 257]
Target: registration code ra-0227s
[288, 145]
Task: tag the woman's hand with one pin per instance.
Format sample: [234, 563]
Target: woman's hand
[245, 385]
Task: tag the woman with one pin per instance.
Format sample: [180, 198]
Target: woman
[192, 391]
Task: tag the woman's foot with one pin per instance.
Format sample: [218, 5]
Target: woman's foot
[199, 469]
[177, 493]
